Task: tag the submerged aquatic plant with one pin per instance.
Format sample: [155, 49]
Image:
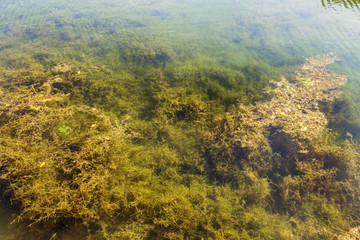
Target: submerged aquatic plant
[282, 139]
[187, 170]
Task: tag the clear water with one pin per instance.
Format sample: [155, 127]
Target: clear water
[273, 37]
[280, 33]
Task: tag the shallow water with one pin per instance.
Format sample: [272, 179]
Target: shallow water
[271, 38]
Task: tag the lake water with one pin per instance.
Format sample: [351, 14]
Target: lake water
[127, 54]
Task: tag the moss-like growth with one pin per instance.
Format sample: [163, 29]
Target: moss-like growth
[282, 140]
[177, 165]
[54, 175]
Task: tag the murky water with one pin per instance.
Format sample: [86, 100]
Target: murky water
[241, 45]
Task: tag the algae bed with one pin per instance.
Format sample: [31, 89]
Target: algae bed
[153, 119]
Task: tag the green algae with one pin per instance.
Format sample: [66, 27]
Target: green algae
[133, 136]
[186, 169]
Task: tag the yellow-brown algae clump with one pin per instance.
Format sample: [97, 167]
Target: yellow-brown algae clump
[294, 107]
[353, 234]
[62, 68]
[292, 116]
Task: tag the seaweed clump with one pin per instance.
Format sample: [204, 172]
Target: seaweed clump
[286, 144]
[292, 116]
[189, 171]
[56, 157]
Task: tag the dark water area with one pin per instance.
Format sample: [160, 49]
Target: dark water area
[153, 119]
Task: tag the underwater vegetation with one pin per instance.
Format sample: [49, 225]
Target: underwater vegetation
[113, 129]
[173, 152]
